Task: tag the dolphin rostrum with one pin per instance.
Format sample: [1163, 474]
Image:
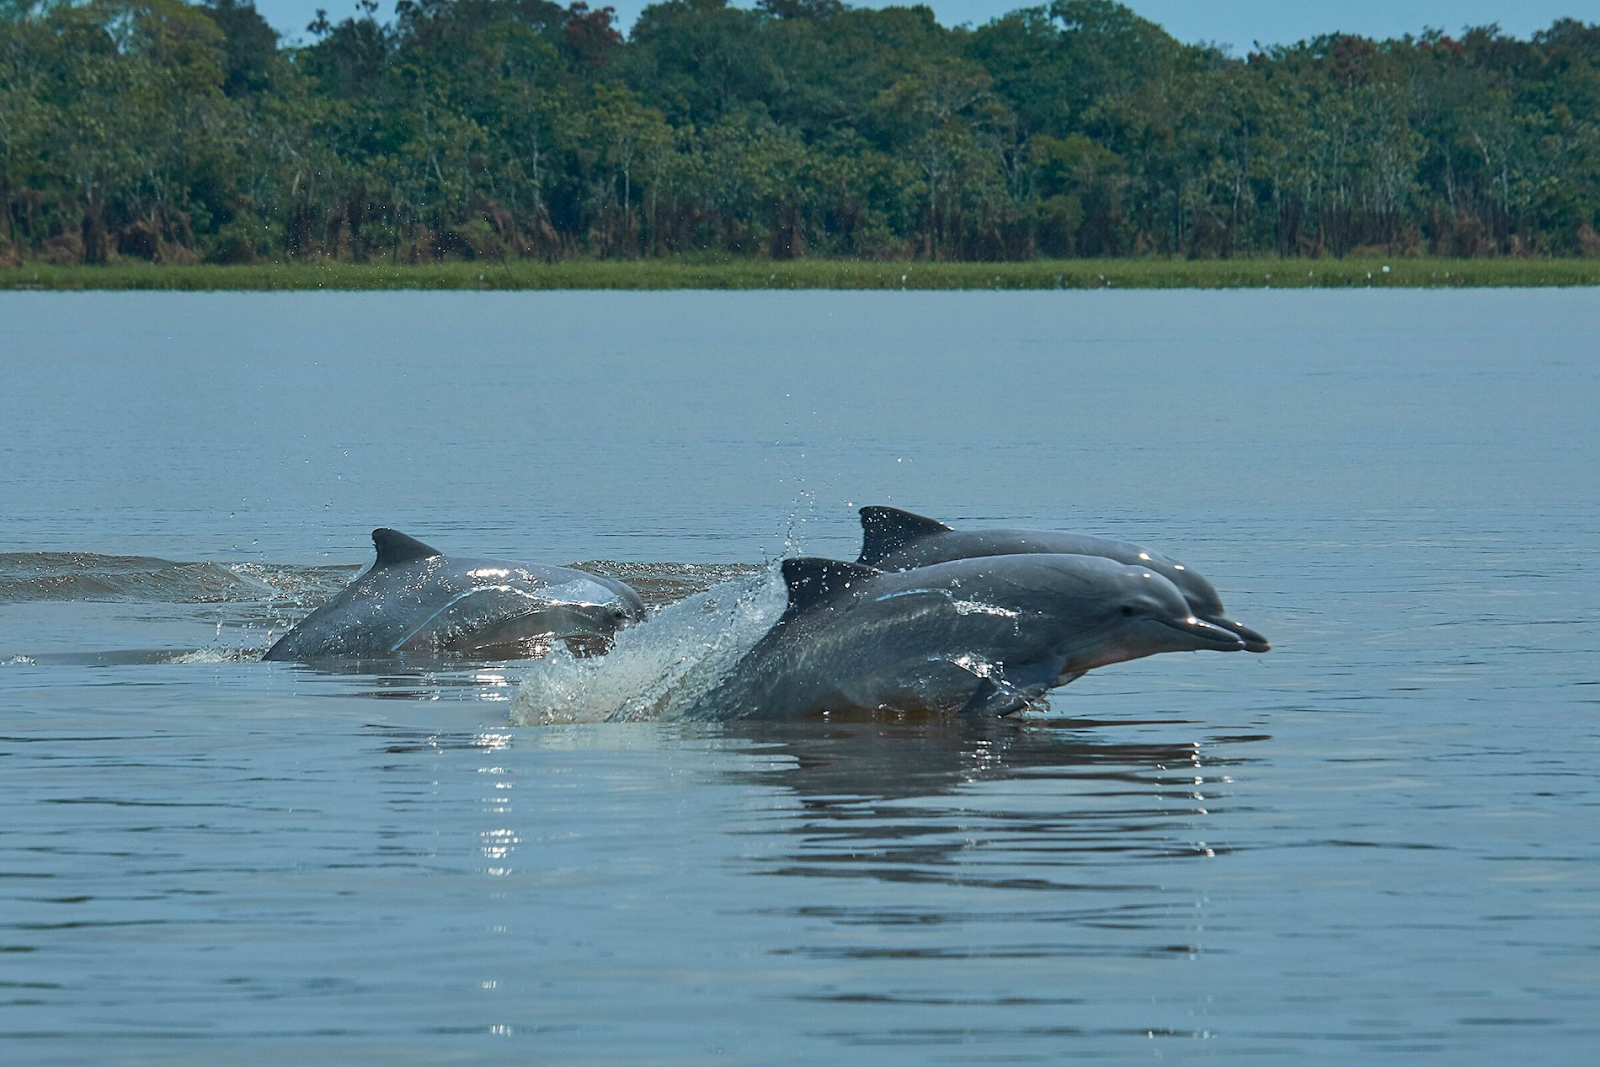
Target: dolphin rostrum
[982, 636]
[895, 540]
[415, 599]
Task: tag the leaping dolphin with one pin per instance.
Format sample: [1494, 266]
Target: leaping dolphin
[415, 599]
[985, 636]
[895, 540]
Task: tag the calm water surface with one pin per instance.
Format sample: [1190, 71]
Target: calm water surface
[1378, 842]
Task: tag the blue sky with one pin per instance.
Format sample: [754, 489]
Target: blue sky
[1237, 23]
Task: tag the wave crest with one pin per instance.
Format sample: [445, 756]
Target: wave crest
[38, 576]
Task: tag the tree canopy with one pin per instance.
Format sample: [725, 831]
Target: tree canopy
[486, 129]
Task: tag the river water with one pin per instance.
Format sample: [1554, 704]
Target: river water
[1377, 842]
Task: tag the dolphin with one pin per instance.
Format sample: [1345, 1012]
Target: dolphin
[415, 599]
[895, 540]
[986, 636]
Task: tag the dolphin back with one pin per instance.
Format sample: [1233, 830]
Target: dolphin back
[414, 599]
[886, 531]
[396, 549]
[813, 581]
[895, 540]
[960, 638]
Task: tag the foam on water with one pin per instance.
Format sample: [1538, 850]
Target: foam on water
[658, 668]
[215, 655]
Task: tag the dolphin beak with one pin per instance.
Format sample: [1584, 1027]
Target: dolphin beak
[1254, 640]
[1205, 634]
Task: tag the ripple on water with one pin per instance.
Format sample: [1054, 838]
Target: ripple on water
[1374, 844]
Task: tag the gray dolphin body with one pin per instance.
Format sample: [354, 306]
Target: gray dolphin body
[984, 636]
[894, 540]
[415, 599]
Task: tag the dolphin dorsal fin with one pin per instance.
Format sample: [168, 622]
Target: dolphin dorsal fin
[811, 580]
[395, 547]
[885, 531]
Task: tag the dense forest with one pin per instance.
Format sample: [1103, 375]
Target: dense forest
[487, 129]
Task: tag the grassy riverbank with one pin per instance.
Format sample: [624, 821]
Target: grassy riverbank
[821, 274]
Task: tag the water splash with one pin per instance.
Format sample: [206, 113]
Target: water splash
[660, 667]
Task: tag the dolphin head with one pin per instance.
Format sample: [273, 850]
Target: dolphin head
[1204, 603]
[605, 603]
[513, 609]
[1128, 613]
[627, 608]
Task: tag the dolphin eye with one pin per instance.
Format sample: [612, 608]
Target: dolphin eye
[1127, 611]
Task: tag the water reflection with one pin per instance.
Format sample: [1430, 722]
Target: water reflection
[399, 739]
[1007, 804]
[1041, 868]
[490, 682]
[844, 763]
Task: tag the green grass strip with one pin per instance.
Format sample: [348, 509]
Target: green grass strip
[821, 274]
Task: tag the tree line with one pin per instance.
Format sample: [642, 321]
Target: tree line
[487, 129]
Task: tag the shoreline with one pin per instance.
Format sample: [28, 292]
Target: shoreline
[669, 274]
